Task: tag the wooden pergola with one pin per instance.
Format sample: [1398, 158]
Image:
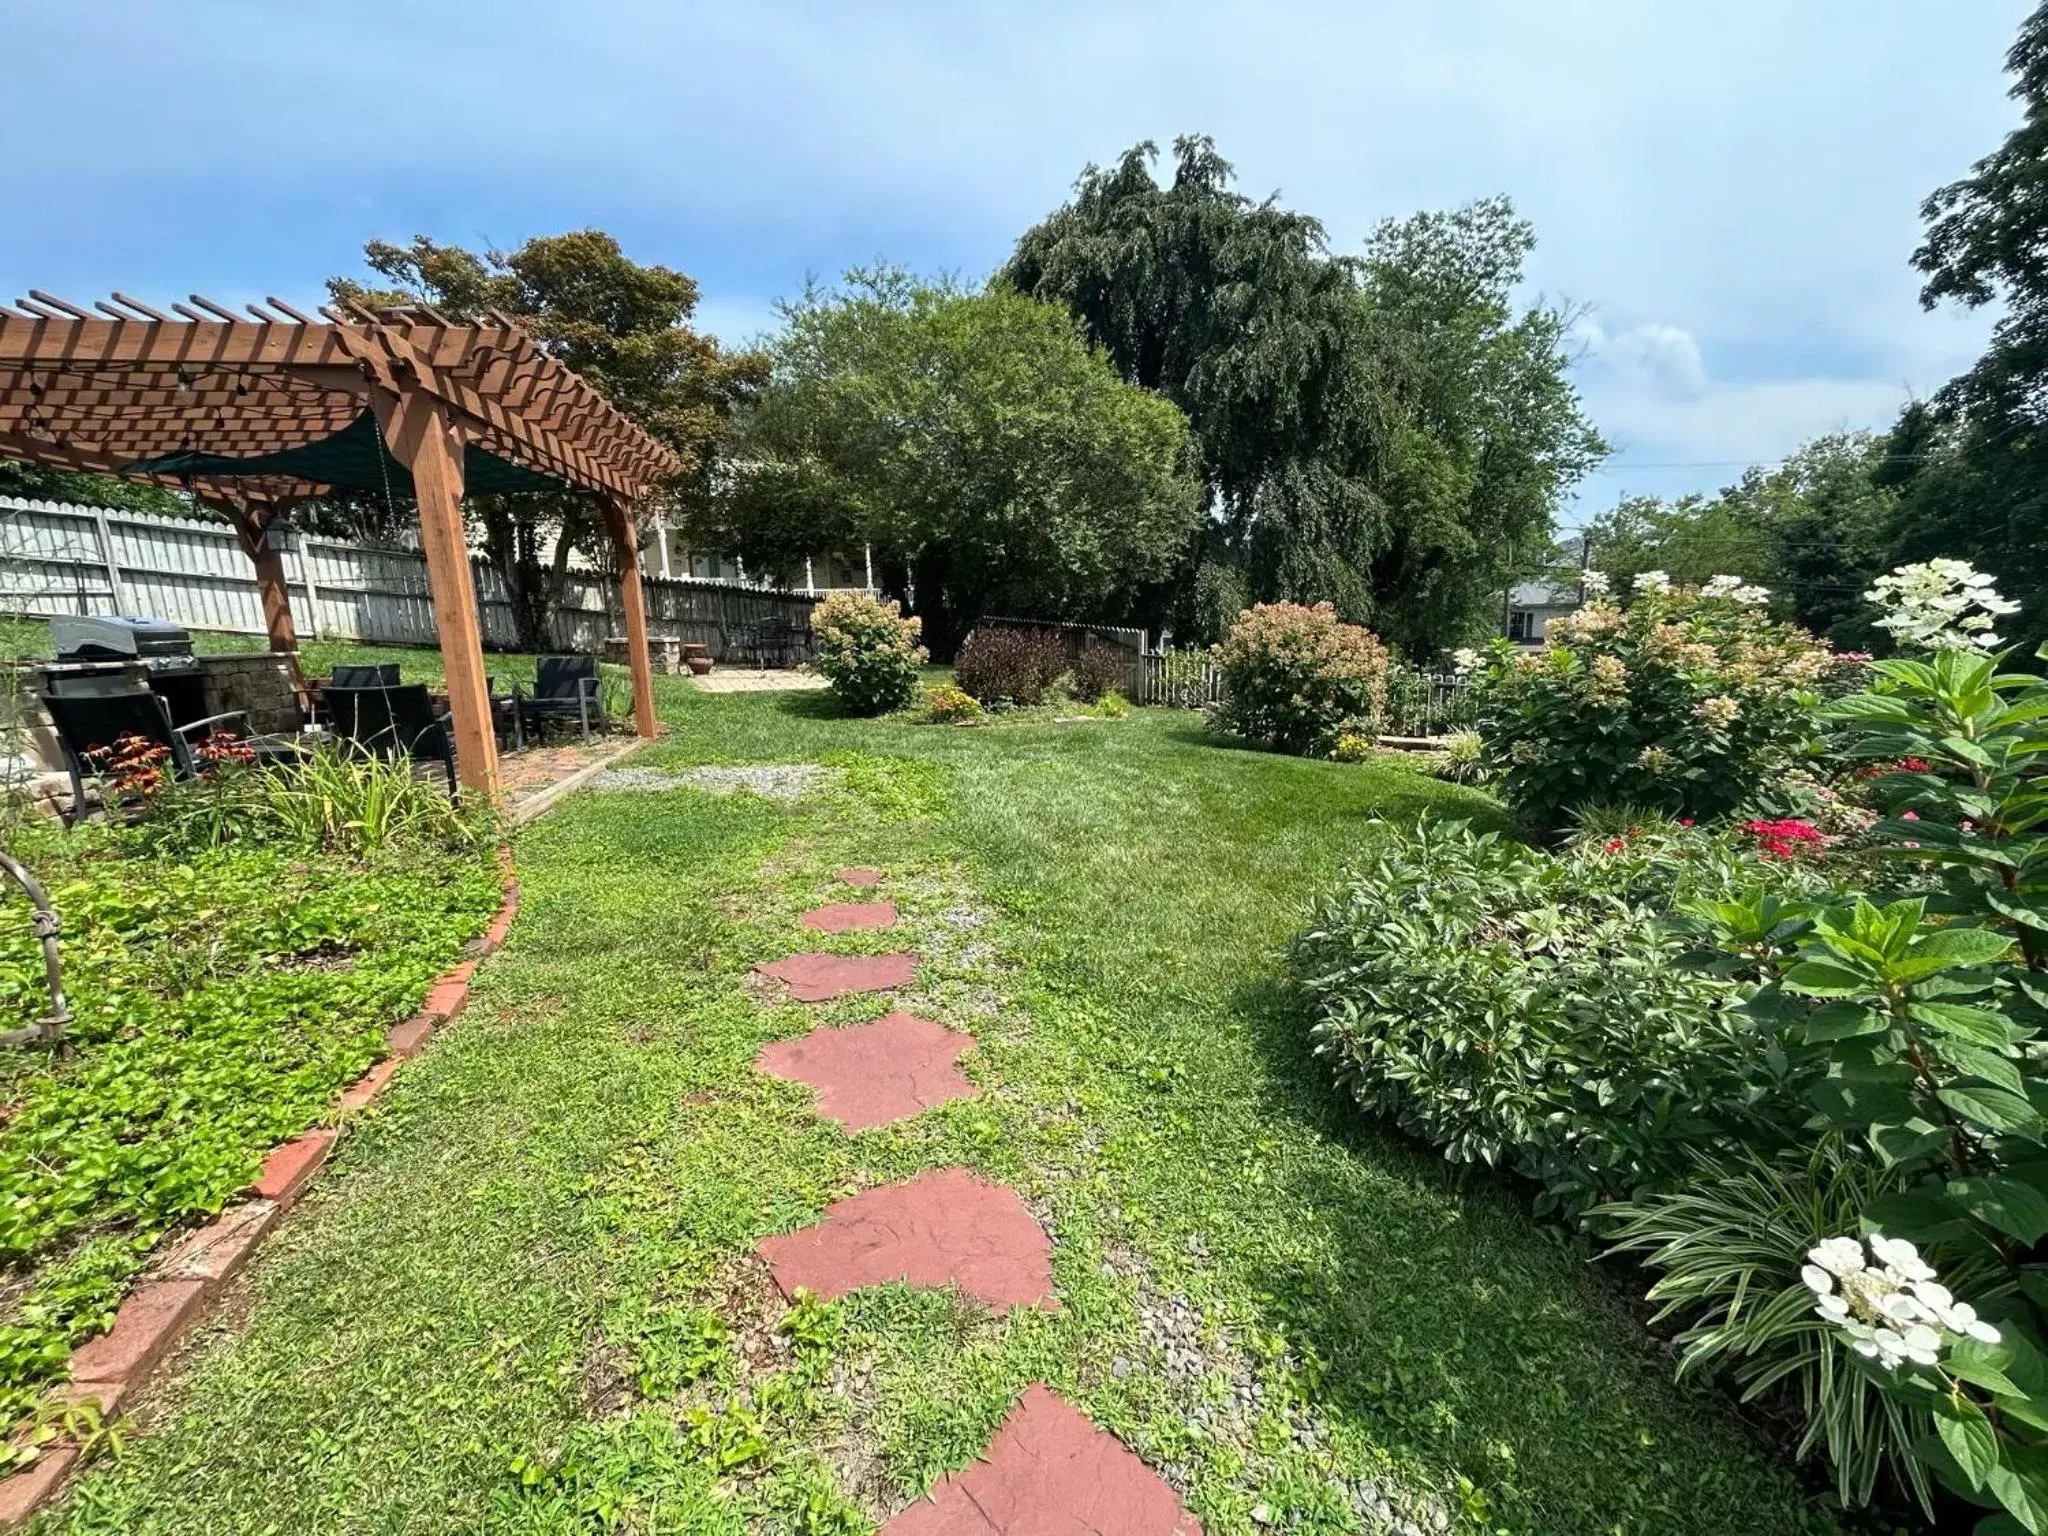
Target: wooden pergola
[255, 412]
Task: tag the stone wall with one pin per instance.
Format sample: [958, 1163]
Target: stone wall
[256, 683]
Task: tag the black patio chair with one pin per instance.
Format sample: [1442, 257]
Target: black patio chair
[564, 688]
[91, 714]
[393, 722]
[383, 674]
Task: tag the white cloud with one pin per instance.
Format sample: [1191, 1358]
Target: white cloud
[1726, 425]
[1663, 360]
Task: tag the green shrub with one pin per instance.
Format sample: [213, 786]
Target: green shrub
[1525, 1010]
[1112, 705]
[335, 797]
[868, 651]
[1683, 703]
[1098, 669]
[1296, 679]
[999, 665]
[1908, 1029]
[949, 705]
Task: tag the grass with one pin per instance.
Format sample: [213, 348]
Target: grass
[522, 1301]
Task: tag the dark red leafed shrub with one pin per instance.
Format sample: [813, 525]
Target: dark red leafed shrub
[1009, 666]
[1100, 669]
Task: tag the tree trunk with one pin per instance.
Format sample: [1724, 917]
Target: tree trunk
[512, 544]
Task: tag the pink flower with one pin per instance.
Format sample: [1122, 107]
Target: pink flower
[1909, 816]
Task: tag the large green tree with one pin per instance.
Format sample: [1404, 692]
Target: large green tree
[987, 453]
[624, 327]
[1382, 430]
[1971, 467]
[43, 482]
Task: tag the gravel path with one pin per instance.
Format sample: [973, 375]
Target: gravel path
[778, 781]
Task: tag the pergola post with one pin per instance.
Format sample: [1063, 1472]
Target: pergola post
[417, 430]
[625, 532]
[252, 525]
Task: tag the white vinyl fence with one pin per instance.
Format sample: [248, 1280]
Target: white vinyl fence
[60, 559]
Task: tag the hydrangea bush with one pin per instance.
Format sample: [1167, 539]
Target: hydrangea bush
[868, 651]
[1296, 679]
[1685, 702]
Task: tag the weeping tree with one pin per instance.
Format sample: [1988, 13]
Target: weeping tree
[1382, 430]
[624, 327]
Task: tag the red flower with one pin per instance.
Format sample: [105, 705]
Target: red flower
[1914, 765]
[1685, 821]
[1786, 839]
[1614, 845]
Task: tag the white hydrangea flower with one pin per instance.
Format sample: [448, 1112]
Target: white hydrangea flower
[1751, 596]
[1900, 1258]
[1838, 1256]
[1465, 659]
[1652, 581]
[1594, 583]
[1956, 1316]
[1940, 605]
[1721, 586]
[1894, 1311]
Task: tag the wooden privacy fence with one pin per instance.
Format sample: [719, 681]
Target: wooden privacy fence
[1077, 637]
[56, 559]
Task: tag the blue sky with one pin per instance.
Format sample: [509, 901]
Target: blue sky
[1730, 189]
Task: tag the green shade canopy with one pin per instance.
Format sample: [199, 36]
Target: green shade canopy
[349, 459]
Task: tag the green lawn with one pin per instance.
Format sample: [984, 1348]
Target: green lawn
[520, 1302]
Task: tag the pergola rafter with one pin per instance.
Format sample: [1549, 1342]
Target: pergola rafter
[253, 412]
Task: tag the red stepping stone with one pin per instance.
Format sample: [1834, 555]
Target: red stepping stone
[849, 915]
[816, 978]
[940, 1228]
[859, 876]
[1049, 1472]
[874, 1073]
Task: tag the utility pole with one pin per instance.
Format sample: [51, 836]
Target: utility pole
[1507, 590]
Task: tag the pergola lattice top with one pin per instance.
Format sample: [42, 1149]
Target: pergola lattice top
[126, 388]
[253, 412]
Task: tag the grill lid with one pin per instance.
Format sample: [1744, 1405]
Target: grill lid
[116, 637]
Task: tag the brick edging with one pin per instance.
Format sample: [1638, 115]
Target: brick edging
[186, 1278]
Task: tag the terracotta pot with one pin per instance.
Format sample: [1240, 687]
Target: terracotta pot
[699, 665]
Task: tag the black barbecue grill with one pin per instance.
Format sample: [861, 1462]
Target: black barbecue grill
[107, 644]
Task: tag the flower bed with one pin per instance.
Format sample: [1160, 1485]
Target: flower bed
[222, 999]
